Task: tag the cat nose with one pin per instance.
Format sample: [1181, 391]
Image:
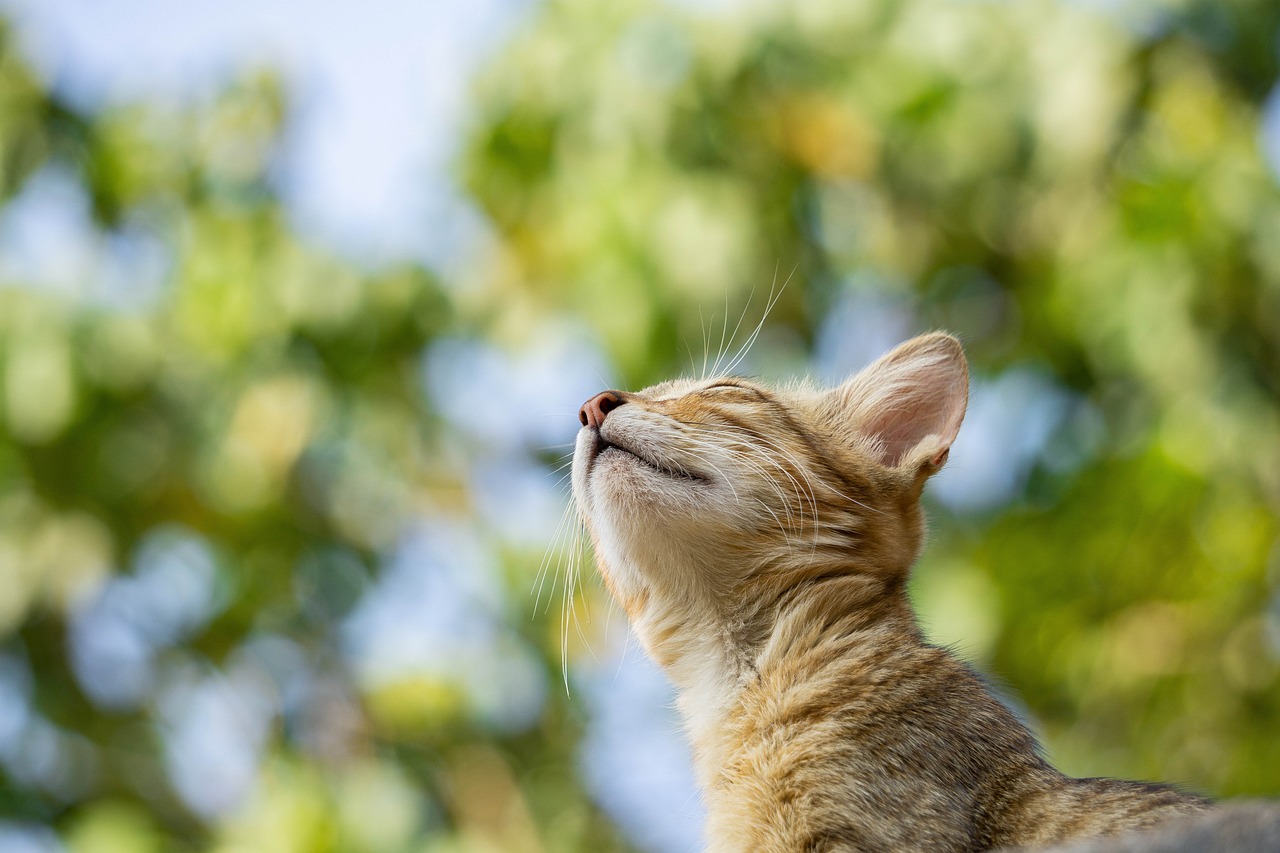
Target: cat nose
[593, 411]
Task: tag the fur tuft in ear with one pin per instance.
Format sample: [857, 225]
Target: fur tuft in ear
[909, 403]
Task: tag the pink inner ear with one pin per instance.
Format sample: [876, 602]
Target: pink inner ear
[916, 392]
[918, 413]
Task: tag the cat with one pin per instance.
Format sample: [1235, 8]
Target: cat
[759, 541]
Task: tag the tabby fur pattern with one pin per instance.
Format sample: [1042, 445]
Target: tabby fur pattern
[760, 542]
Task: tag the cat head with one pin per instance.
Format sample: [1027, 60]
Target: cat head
[707, 498]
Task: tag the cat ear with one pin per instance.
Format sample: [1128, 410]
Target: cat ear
[909, 403]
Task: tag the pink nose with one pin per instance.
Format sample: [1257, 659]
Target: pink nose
[594, 410]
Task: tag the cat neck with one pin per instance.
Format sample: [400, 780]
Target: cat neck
[713, 652]
[699, 653]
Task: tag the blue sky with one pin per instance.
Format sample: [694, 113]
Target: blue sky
[380, 91]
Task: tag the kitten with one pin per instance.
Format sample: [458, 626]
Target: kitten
[760, 540]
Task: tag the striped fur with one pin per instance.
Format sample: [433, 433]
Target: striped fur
[760, 541]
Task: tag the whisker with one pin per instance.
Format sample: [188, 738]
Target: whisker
[723, 331]
[771, 304]
[743, 458]
[723, 345]
[749, 437]
[552, 550]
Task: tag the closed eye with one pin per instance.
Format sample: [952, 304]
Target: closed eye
[728, 387]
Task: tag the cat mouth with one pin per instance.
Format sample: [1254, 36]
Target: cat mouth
[605, 447]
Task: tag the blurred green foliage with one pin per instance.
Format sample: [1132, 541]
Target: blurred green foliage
[1076, 193]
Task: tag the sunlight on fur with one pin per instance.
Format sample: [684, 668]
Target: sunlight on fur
[759, 540]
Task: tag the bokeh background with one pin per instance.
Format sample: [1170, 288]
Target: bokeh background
[298, 302]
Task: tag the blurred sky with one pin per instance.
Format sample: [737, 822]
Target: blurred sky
[379, 93]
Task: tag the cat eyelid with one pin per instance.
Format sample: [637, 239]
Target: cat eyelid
[734, 386]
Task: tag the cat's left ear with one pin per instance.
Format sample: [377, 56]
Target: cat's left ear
[909, 403]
